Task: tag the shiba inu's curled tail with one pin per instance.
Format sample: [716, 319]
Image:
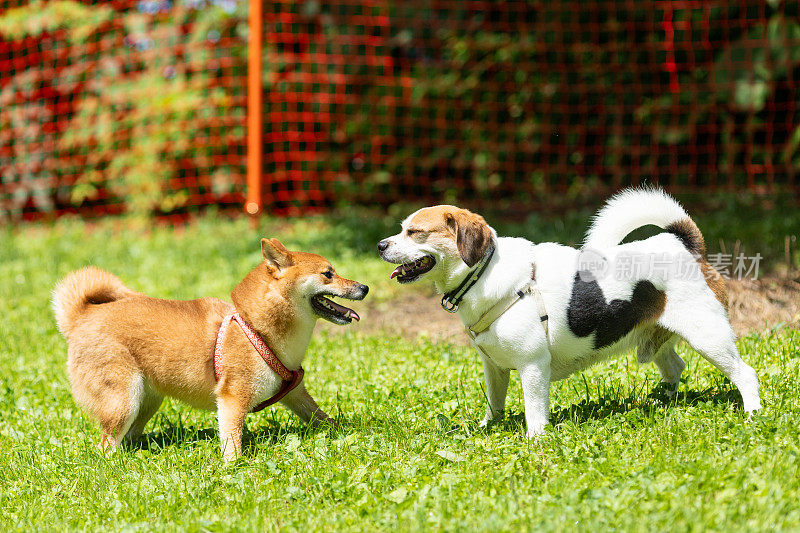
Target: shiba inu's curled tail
[88, 285]
[633, 208]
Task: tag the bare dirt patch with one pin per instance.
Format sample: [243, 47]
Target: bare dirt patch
[755, 305]
[412, 315]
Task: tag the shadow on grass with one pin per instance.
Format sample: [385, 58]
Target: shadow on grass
[269, 431]
[604, 407]
[656, 400]
[266, 432]
[157, 441]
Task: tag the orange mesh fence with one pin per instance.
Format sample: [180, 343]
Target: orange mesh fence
[123, 105]
[141, 106]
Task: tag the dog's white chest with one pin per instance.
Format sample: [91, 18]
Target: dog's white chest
[266, 383]
[512, 337]
[489, 349]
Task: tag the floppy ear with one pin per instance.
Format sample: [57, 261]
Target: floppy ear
[473, 236]
[275, 253]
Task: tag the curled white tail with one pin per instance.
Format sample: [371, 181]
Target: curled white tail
[89, 285]
[633, 208]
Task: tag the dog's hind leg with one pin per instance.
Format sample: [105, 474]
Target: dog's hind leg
[706, 328]
[496, 389]
[651, 342]
[658, 345]
[670, 366]
[118, 416]
[151, 401]
[107, 383]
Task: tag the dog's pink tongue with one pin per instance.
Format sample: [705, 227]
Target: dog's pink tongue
[395, 272]
[346, 311]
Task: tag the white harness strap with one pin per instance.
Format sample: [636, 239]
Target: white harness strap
[498, 309]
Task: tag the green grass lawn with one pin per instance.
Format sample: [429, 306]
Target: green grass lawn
[409, 454]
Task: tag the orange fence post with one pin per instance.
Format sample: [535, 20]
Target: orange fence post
[254, 111]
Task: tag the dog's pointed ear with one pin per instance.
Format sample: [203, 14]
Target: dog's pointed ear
[472, 233]
[275, 253]
[279, 245]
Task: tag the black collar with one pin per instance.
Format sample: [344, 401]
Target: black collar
[452, 299]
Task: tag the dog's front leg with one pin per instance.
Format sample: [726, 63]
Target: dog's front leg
[303, 405]
[231, 411]
[496, 389]
[535, 378]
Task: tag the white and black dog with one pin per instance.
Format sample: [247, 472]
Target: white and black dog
[549, 310]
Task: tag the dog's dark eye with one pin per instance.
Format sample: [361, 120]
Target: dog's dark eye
[328, 274]
[410, 232]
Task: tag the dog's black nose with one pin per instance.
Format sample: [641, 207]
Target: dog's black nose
[363, 288]
[383, 245]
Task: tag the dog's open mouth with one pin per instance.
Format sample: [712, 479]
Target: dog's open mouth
[408, 272]
[331, 311]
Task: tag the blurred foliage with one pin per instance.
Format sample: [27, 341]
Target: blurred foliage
[26, 140]
[742, 223]
[144, 106]
[36, 18]
[138, 102]
[748, 84]
[577, 97]
[747, 223]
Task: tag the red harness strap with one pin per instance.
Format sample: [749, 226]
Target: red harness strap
[291, 378]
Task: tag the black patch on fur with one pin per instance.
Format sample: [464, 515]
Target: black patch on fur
[589, 313]
[683, 237]
[687, 232]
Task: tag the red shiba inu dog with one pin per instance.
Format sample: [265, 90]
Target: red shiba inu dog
[127, 350]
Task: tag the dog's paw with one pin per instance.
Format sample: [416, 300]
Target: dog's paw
[535, 430]
[670, 391]
[230, 458]
[664, 392]
[753, 410]
[491, 418]
[752, 406]
[326, 423]
[332, 424]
